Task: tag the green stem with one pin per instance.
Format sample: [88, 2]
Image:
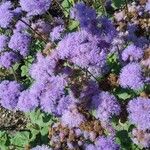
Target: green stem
[103, 6]
[33, 30]
[14, 74]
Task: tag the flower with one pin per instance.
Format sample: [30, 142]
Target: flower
[84, 50]
[43, 147]
[56, 33]
[141, 138]
[84, 14]
[72, 118]
[131, 76]
[106, 106]
[9, 93]
[8, 59]
[132, 53]
[25, 102]
[139, 110]
[35, 7]
[147, 6]
[3, 42]
[43, 67]
[20, 42]
[6, 14]
[106, 143]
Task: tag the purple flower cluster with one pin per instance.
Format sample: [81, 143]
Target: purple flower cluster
[7, 59]
[139, 110]
[35, 7]
[106, 106]
[84, 50]
[20, 42]
[72, 118]
[131, 76]
[6, 14]
[9, 93]
[57, 32]
[43, 147]
[103, 143]
[3, 42]
[132, 53]
[84, 14]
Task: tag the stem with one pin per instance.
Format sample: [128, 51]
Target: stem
[87, 71]
[63, 9]
[33, 30]
[14, 74]
[103, 6]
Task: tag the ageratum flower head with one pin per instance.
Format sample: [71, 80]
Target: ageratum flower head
[43, 68]
[35, 7]
[141, 137]
[25, 102]
[6, 14]
[52, 94]
[43, 147]
[139, 110]
[84, 14]
[9, 93]
[84, 50]
[20, 42]
[57, 33]
[8, 59]
[147, 7]
[106, 106]
[131, 76]
[3, 42]
[72, 118]
[103, 143]
[21, 26]
[132, 53]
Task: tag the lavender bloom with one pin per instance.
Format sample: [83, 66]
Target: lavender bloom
[56, 33]
[6, 14]
[90, 147]
[72, 118]
[106, 106]
[7, 59]
[17, 12]
[26, 103]
[43, 68]
[139, 110]
[84, 50]
[106, 143]
[131, 76]
[107, 28]
[20, 42]
[43, 147]
[35, 7]
[132, 53]
[20, 26]
[52, 96]
[84, 14]
[3, 42]
[64, 104]
[9, 93]
[147, 7]
[141, 138]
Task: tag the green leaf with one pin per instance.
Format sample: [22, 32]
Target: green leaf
[73, 25]
[66, 5]
[118, 3]
[24, 71]
[4, 140]
[21, 138]
[124, 96]
[44, 130]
